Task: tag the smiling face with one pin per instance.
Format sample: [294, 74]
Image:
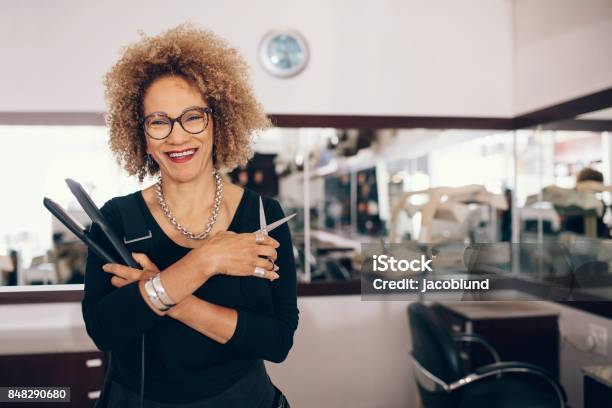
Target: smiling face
[182, 156]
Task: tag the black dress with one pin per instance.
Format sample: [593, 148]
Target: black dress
[182, 365]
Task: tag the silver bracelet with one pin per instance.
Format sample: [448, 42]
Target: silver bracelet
[161, 291]
[153, 296]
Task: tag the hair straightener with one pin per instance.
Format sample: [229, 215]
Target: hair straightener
[97, 220]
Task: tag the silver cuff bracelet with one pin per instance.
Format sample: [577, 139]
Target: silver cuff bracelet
[159, 305]
[161, 292]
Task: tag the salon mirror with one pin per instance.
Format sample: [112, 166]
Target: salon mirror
[360, 185]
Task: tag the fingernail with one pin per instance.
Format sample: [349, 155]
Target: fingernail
[275, 275]
[276, 268]
[105, 267]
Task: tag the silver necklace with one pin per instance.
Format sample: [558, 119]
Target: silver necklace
[213, 214]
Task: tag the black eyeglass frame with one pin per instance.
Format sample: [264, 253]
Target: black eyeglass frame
[206, 110]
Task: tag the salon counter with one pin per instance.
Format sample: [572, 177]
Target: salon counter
[597, 385]
[43, 340]
[72, 339]
[46, 344]
[74, 293]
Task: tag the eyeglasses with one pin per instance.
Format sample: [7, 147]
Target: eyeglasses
[193, 120]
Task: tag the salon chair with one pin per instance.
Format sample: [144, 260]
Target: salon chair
[443, 382]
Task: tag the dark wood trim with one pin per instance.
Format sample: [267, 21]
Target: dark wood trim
[390, 122]
[580, 124]
[566, 110]
[562, 112]
[47, 296]
[52, 118]
[329, 288]
[284, 120]
[58, 296]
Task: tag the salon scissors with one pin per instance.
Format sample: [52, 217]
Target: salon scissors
[264, 229]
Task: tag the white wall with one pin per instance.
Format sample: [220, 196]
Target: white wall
[348, 353]
[409, 57]
[563, 50]
[574, 328]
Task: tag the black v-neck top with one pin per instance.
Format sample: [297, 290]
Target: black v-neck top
[157, 230]
[182, 364]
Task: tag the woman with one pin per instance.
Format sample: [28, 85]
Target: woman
[576, 223]
[180, 107]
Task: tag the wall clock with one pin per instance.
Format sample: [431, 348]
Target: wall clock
[283, 53]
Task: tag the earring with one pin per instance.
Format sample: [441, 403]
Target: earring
[150, 161]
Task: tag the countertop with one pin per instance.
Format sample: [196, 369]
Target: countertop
[45, 341]
[43, 328]
[603, 374]
[499, 309]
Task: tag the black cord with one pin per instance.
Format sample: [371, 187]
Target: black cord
[142, 373]
[106, 385]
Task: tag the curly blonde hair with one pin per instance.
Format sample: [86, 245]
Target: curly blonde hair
[207, 62]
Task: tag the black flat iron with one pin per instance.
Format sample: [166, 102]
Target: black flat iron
[97, 220]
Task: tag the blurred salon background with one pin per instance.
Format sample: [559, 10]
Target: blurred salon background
[349, 186]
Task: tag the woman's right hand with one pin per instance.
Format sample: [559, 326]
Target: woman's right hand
[230, 253]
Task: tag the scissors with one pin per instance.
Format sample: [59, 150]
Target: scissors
[264, 229]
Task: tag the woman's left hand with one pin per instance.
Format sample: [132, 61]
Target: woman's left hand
[124, 275]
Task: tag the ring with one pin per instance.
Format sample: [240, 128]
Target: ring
[259, 237]
[259, 272]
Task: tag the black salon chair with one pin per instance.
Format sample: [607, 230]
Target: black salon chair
[444, 383]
